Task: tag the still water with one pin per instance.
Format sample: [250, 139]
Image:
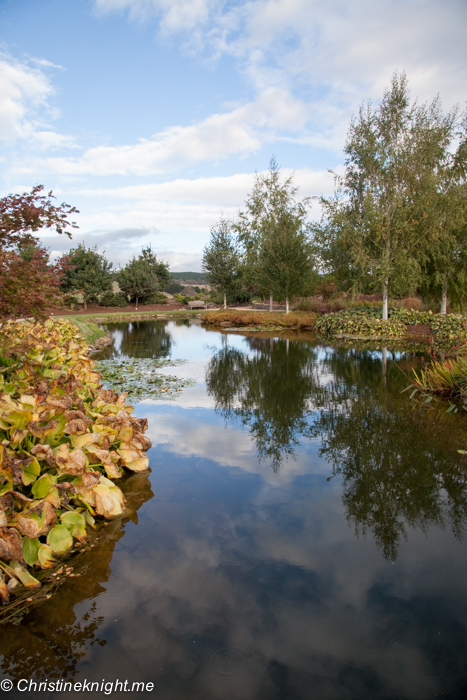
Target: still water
[300, 535]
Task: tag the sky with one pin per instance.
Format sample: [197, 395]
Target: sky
[152, 116]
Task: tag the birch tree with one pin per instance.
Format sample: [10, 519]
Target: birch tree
[374, 216]
[271, 231]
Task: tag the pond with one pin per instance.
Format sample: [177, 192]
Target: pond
[300, 535]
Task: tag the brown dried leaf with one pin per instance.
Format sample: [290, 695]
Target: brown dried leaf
[74, 414]
[90, 479]
[76, 427]
[39, 430]
[11, 544]
[44, 452]
[63, 402]
[76, 463]
[29, 527]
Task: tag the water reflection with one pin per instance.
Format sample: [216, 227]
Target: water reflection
[268, 391]
[400, 466]
[138, 339]
[59, 632]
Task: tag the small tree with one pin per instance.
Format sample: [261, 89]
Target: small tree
[137, 281]
[285, 257]
[143, 276]
[89, 273]
[28, 283]
[272, 210]
[157, 267]
[221, 260]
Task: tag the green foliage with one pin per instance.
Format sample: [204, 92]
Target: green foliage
[174, 288]
[221, 258]
[355, 322]
[447, 378]
[110, 299]
[89, 273]
[181, 299]
[156, 298]
[273, 236]
[377, 231]
[143, 276]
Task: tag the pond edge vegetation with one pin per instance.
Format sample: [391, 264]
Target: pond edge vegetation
[64, 441]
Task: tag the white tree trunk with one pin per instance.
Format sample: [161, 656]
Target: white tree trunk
[287, 309]
[270, 302]
[385, 299]
[444, 299]
[225, 300]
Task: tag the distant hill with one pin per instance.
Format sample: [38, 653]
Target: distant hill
[189, 277]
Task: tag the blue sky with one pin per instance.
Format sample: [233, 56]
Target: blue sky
[151, 116]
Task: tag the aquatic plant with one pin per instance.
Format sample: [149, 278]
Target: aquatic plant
[64, 441]
[140, 378]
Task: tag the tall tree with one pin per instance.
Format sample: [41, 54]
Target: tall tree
[374, 216]
[220, 258]
[89, 273]
[28, 282]
[271, 232]
[285, 257]
[445, 213]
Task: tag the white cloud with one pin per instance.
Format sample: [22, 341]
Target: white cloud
[23, 91]
[342, 52]
[25, 107]
[240, 131]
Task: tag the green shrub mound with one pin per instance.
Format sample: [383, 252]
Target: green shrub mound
[157, 298]
[64, 440]
[356, 322]
[111, 299]
[366, 321]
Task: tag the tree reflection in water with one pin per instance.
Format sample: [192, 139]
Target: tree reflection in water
[53, 641]
[268, 390]
[399, 464]
[138, 339]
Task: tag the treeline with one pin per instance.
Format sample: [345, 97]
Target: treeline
[30, 283]
[395, 225]
[90, 274]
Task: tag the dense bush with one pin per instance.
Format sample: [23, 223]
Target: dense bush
[337, 304]
[356, 322]
[111, 299]
[308, 304]
[445, 327]
[156, 298]
[412, 303]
